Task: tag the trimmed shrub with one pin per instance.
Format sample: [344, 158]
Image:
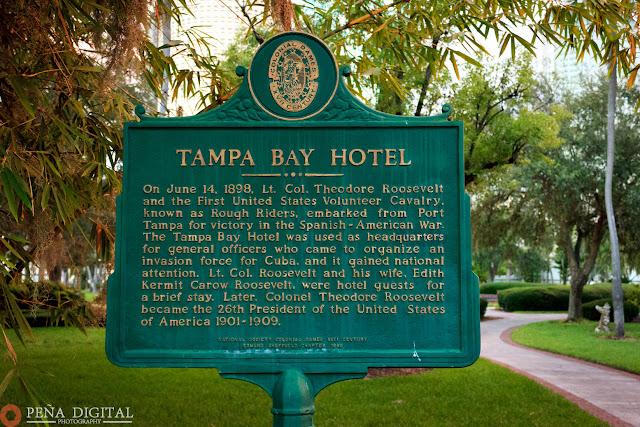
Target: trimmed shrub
[632, 294]
[493, 288]
[551, 298]
[533, 299]
[595, 292]
[589, 310]
[49, 303]
[483, 307]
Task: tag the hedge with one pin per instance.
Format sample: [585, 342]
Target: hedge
[589, 310]
[533, 299]
[552, 298]
[483, 307]
[493, 288]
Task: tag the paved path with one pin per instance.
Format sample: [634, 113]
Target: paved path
[609, 394]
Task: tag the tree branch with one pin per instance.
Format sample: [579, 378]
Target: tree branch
[353, 22]
[427, 80]
[256, 34]
[577, 247]
[137, 99]
[486, 119]
[423, 90]
[598, 233]
[398, 100]
[565, 242]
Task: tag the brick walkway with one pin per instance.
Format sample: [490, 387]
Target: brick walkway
[611, 395]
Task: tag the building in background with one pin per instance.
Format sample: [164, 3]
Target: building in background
[221, 20]
[565, 69]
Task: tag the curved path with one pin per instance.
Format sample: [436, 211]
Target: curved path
[609, 394]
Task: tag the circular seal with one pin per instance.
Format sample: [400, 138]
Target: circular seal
[16, 417]
[293, 70]
[293, 76]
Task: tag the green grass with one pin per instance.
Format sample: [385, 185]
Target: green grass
[579, 340]
[88, 295]
[69, 370]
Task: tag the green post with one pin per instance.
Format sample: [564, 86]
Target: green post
[293, 400]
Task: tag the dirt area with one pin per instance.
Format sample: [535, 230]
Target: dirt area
[390, 372]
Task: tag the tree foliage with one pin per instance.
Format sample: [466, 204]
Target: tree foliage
[608, 30]
[67, 78]
[504, 125]
[70, 76]
[569, 191]
[385, 41]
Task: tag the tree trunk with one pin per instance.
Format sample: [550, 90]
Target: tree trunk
[563, 272]
[580, 273]
[575, 297]
[491, 276]
[423, 90]
[77, 283]
[90, 278]
[616, 281]
[427, 79]
[96, 277]
[55, 274]
[508, 279]
[398, 100]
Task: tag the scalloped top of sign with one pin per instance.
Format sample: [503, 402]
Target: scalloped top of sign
[294, 77]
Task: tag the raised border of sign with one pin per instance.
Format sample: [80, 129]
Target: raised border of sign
[242, 111]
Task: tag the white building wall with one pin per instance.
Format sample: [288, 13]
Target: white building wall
[220, 20]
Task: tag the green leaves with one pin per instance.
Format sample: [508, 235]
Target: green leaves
[421, 38]
[61, 114]
[18, 85]
[7, 379]
[606, 29]
[14, 185]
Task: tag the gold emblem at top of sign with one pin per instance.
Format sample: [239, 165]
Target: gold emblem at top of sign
[293, 71]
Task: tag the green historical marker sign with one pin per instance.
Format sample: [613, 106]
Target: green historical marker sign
[293, 237]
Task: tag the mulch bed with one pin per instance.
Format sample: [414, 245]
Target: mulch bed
[391, 372]
[489, 297]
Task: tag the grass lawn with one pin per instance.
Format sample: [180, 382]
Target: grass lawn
[579, 340]
[69, 370]
[88, 295]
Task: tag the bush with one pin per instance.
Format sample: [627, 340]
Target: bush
[533, 299]
[49, 303]
[483, 307]
[493, 288]
[589, 310]
[551, 298]
[632, 294]
[595, 292]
